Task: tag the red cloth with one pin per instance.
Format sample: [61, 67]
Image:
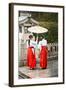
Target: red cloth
[31, 58]
[43, 57]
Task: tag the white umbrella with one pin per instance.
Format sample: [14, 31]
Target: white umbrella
[37, 29]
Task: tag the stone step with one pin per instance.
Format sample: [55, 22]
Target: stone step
[22, 75]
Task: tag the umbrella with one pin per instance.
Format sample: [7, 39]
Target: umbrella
[37, 29]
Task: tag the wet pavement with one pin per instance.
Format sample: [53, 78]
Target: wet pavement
[51, 71]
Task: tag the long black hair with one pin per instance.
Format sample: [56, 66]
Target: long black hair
[30, 37]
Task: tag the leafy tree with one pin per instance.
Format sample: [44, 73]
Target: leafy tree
[49, 21]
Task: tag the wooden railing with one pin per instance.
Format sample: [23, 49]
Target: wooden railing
[52, 49]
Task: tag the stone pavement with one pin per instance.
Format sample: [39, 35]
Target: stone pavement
[51, 71]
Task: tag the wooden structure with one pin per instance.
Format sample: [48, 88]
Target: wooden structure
[25, 21]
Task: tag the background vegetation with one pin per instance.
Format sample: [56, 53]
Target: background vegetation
[49, 21]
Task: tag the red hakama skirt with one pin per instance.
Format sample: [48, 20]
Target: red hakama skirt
[43, 57]
[31, 58]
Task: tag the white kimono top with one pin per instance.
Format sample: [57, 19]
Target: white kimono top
[42, 43]
[32, 44]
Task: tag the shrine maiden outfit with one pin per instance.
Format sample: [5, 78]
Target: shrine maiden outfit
[31, 57]
[43, 53]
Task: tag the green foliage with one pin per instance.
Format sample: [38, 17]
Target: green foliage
[45, 16]
[49, 21]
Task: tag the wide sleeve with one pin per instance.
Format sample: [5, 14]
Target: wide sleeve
[33, 43]
[39, 45]
[46, 42]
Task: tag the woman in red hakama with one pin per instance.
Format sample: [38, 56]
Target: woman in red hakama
[31, 57]
[43, 54]
[43, 57]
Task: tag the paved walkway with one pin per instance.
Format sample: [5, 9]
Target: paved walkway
[51, 71]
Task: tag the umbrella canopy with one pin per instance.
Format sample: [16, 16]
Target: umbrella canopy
[37, 29]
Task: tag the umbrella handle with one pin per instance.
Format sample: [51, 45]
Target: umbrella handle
[37, 38]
